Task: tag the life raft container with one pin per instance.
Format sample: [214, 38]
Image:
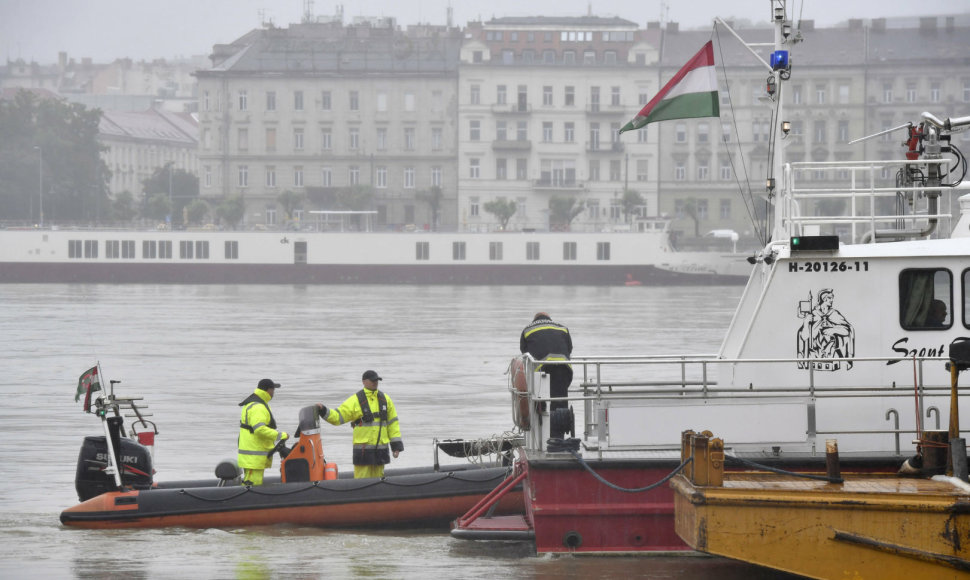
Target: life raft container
[521, 413]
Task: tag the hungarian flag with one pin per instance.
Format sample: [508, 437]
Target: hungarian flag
[691, 93]
[87, 384]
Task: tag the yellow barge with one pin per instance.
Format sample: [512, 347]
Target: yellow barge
[867, 526]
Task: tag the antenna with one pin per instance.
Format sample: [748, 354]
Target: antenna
[307, 11]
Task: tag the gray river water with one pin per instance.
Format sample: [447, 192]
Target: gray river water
[194, 352]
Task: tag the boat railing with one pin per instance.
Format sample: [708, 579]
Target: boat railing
[811, 206]
[609, 391]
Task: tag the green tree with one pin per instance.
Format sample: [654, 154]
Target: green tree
[231, 210]
[196, 211]
[180, 185]
[291, 200]
[123, 207]
[50, 150]
[433, 197]
[563, 210]
[690, 210]
[355, 197]
[631, 201]
[157, 207]
[503, 210]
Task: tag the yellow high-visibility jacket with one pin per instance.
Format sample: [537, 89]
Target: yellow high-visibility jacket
[257, 432]
[373, 440]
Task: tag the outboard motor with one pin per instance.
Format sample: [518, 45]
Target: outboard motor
[305, 461]
[91, 480]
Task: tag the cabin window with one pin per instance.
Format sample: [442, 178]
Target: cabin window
[202, 250]
[966, 298]
[602, 250]
[149, 249]
[90, 248]
[165, 250]
[232, 250]
[458, 250]
[422, 251]
[128, 249]
[112, 249]
[495, 250]
[925, 299]
[74, 248]
[532, 250]
[569, 251]
[185, 250]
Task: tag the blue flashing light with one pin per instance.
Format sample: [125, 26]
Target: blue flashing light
[779, 60]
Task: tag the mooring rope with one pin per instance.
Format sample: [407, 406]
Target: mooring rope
[753, 465]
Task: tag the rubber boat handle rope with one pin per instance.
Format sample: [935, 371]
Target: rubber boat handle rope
[599, 478]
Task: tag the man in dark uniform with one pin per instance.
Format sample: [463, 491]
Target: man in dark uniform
[548, 340]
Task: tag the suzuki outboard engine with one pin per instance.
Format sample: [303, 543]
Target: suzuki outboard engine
[91, 479]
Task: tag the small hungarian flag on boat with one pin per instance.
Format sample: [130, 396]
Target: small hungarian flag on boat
[87, 384]
[691, 93]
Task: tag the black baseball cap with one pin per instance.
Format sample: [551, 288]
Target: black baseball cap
[267, 384]
[371, 376]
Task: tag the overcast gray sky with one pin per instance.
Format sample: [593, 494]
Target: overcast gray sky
[36, 30]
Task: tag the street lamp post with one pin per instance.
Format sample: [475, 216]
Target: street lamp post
[40, 182]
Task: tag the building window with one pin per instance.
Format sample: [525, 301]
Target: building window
[436, 138]
[910, 92]
[501, 95]
[569, 96]
[381, 177]
[680, 132]
[616, 174]
[473, 206]
[501, 168]
[206, 176]
[495, 251]
[594, 136]
[569, 251]
[408, 178]
[381, 138]
[547, 96]
[353, 174]
[436, 176]
[615, 96]
[820, 132]
[934, 92]
[354, 139]
[326, 176]
[458, 250]
[521, 131]
[569, 132]
[642, 169]
[602, 251]
[796, 94]
[242, 139]
[243, 100]
[409, 141]
[820, 91]
[594, 170]
[326, 139]
[594, 99]
[298, 139]
[703, 171]
[725, 172]
[298, 176]
[232, 250]
[270, 100]
[297, 100]
[422, 251]
[843, 94]
[887, 92]
[270, 176]
[475, 97]
[725, 209]
[547, 131]
[243, 176]
[382, 102]
[354, 100]
[532, 250]
[271, 139]
[521, 169]
[843, 131]
[474, 130]
[473, 168]
[325, 101]
[270, 215]
[680, 172]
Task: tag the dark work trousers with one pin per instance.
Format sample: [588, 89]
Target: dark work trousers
[560, 376]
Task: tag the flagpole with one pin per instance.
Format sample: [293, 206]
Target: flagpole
[112, 468]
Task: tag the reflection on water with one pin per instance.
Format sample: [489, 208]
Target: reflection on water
[194, 352]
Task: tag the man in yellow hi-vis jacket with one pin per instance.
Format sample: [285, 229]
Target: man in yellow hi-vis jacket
[377, 433]
[258, 437]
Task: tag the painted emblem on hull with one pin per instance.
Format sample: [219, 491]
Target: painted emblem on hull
[823, 334]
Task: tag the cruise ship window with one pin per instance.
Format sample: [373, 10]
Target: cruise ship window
[925, 299]
[458, 250]
[422, 251]
[495, 251]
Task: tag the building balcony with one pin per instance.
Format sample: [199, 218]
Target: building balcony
[512, 109]
[507, 145]
[558, 185]
[614, 147]
[602, 109]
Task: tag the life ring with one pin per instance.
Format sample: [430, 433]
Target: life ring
[520, 394]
